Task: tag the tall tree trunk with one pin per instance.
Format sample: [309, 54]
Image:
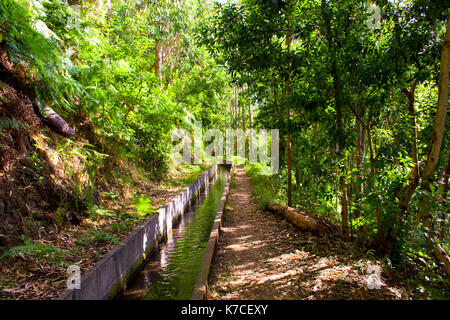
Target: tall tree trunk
[288, 134]
[358, 160]
[243, 117]
[445, 191]
[409, 190]
[444, 195]
[373, 171]
[108, 6]
[358, 152]
[342, 190]
[250, 114]
[391, 237]
[415, 171]
[433, 155]
[314, 142]
[361, 140]
[250, 139]
[349, 199]
[236, 109]
[334, 74]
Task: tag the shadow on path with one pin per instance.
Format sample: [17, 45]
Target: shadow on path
[261, 256]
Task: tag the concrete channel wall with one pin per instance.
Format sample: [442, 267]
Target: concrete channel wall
[201, 288]
[118, 267]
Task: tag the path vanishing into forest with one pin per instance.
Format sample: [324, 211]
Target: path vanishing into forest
[261, 256]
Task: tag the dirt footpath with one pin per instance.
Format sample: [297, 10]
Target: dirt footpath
[261, 256]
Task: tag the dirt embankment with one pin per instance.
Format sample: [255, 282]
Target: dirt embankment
[28, 185]
[44, 223]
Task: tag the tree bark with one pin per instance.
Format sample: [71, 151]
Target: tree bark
[338, 105]
[391, 236]
[51, 119]
[243, 117]
[433, 156]
[415, 171]
[55, 122]
[303, 220]
[444, 196]
[288, 134]
[250, 139]
[373, 171]
[108, 6]
[361, 140]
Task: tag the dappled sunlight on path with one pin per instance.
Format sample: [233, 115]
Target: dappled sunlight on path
[261, 256]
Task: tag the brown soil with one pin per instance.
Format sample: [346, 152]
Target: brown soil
[39, 172]
[262, 256]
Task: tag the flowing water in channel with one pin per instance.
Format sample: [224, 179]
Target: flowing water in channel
[172, 271]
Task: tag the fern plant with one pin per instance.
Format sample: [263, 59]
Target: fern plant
[36, 250]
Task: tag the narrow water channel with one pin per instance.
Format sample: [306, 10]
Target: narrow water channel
[172, 271]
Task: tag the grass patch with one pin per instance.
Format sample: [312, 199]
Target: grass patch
[117, 227]
[187, 174]
[36, 250]
[265, 186]
[97, 237]
[143, 205]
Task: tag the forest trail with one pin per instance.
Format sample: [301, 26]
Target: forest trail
[261, 256]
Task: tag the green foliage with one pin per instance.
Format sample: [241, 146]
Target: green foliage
[189, 173]
[348, 87]
[120, 227]
[36, 163]
[265, 186]
[144, 205]
[104, 237]
[83, 63]
[36, 250]
[7, 123]
[349, 90]
[38, 51]
[97, 236]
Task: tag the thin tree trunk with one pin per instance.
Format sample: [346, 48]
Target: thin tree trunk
[251, 127]
[373, 171]
[444, 196]
[349, 201]
[288, 134]
[391, 236]
[433, 155]
[108, 6]
[361, 141]
[344, 206]
[243, 118]
[358, 152]
[314, 141]
[237, 110]
[103, 129]
[415, 171]
[334, 74]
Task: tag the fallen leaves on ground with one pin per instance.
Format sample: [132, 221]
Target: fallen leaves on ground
[261, 256]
